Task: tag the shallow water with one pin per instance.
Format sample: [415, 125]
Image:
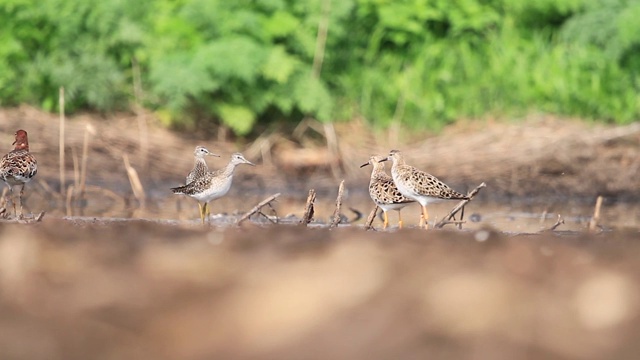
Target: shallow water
[519, 215]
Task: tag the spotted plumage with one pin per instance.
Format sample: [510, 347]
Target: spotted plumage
[383, 191]
[19, 166]
[419, 185]
[213, 184]
[200, 165]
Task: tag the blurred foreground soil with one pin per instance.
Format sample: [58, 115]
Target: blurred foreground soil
[142, 290]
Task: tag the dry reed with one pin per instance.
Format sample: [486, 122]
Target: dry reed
[61, 140]
[134, 180]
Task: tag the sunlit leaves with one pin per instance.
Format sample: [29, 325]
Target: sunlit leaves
[178, 77]
[239, 118]
[233, 57]
[246, 62]
[280, 24]
[312, 96]
[279, 65]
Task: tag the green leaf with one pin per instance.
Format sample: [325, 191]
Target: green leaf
[239, 118]
[312, 97]
[234, 57]
[280, 24]
[279, 65]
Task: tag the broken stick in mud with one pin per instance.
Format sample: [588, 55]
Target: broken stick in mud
[308, 208]
[593, 223]
[447, 219]
[559, 222]
[258, 208]
[372, 216]
[336, 212]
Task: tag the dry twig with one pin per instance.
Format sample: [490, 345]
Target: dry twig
[257, 208]
[336, 212]
[40, 216]
[446, 220]
[454, 222]
[559, 222]
[136, 185]
[308, 208]
[372, 216]
[593, 223]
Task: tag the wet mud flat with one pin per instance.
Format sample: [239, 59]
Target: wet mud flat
[97, 289]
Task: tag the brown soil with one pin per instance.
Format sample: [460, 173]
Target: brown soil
[538, 156]
[109, 289]
[142, 290]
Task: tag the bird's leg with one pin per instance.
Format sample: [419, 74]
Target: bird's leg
[386, 220]
[399, 220]
[13, 201]
[201, 210]
[424, 220]
[7, 198]
[20, 200]
[207, 211]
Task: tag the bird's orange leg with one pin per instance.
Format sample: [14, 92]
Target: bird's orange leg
[399, 220]
[424, 220]
[386, 220]
[201, 209]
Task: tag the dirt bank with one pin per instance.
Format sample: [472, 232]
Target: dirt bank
[538, 156]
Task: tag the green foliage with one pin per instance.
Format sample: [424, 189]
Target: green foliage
[422, 62]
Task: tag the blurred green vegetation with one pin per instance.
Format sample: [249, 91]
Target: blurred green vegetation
[423, 63]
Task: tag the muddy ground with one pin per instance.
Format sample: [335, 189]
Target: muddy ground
[143, 290]
[100, 288]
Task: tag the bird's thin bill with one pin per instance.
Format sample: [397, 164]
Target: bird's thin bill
[365, 164]
[212, 154]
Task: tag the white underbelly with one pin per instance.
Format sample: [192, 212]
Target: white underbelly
[213, 193]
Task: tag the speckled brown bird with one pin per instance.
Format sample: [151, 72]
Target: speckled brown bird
[213, 184]
[200, 165]
[18, 167]
[200, 168]
[419, 185]
[383, 191]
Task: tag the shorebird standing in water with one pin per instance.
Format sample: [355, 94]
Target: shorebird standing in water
[213, 184]
[419, 185]
[200, 168]
[384, 192]
[18, 167]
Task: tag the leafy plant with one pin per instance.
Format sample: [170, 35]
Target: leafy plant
[424, 63]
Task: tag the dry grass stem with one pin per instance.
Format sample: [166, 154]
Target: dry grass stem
[68, 200]
[134, 180]
[61, 141]
[76, 167]
[593, 223]
[89, 130]
[321, 39]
